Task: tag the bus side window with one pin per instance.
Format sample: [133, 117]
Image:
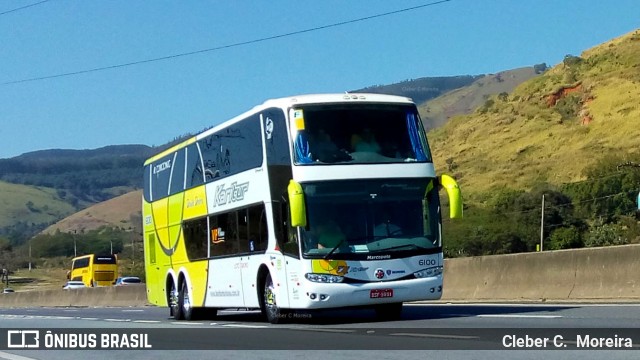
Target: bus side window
[258, 231]
[243, 231]
[286, 235]
[195, 238]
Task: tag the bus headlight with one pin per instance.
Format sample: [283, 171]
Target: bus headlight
[323, 278]
[429, 272]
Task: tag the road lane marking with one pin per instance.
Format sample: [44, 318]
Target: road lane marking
[245, 326]
[327, 330]
[147, 321]
[511, 316]
[437, 336]
[9, 356]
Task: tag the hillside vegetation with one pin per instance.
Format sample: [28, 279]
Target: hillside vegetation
[465, 100]
[81, 177]
[569, 136]
[29, 208]
[551, 128]
[49, 185]
[122, 212]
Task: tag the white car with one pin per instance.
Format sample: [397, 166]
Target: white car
[128, 280]
[8, 291]
[73, 285]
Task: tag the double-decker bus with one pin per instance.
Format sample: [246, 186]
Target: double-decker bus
[94, 270]
[306, 202]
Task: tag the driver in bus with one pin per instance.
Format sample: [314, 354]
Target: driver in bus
[385, 227]
[329, 235]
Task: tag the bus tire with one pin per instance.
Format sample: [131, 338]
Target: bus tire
[386, 312]
[271, 311]
[172, 299]
[184, 310]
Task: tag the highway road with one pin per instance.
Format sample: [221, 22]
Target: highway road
[444, 331]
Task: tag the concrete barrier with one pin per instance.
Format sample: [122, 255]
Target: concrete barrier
[594, 274]
[609, 274]
[130, 295]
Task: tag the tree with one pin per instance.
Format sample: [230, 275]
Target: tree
[540, 68]
[571, 60]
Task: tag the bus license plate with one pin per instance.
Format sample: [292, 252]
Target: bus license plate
[381, 293]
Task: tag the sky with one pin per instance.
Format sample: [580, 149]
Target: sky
[255, 50]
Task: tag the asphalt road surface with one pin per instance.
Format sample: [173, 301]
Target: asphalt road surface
[443, 331]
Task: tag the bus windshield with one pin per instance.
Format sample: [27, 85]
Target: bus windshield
[358, 134]
[356, 219]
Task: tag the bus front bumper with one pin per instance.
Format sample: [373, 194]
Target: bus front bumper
[312, 295]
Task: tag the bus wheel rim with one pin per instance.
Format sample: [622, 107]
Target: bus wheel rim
[186, 301]
[270, 299]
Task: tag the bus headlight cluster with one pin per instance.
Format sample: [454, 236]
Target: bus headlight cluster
[323, 278]
[429, 272]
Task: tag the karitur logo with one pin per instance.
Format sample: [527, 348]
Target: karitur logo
[235, 192]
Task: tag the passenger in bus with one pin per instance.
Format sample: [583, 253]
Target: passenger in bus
[324, 149]
[365, 142]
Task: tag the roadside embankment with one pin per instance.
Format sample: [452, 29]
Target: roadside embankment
[609, 274]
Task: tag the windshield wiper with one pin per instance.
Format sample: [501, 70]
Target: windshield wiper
[334, 249]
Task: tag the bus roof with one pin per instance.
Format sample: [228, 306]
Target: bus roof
[287, 102]
[335, 98]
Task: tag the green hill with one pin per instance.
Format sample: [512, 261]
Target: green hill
[123, 212]
[29, 208]
[550, 128]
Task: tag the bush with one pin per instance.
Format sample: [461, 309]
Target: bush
[569, 106]
[566, 238]
[606, 235]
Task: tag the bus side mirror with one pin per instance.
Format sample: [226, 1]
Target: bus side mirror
[296, 204]
[455, 197]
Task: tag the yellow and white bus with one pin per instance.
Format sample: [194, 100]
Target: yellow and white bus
[94, 270]
[306, 202]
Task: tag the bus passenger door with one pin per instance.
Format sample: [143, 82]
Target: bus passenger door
[248, 266]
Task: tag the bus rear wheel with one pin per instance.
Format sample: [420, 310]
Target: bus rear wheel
[173, 301]
[273, 313]
[184, 310]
